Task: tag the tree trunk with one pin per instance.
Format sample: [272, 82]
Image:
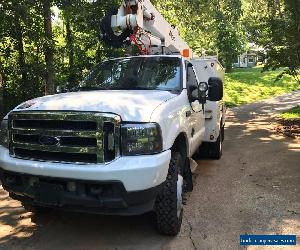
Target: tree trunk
[49, 47]
[2, 108]
[1, 98]
[70, 48]
[21, 56]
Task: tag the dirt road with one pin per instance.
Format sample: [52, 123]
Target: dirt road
[255, 188]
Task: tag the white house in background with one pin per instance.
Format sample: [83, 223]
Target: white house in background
[250, 58]
[246, 60]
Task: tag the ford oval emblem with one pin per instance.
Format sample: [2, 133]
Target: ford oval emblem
[49, 140]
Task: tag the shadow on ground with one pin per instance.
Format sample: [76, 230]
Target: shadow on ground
[59, 229]
[255, 188]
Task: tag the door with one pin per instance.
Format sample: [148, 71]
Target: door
[195, 115]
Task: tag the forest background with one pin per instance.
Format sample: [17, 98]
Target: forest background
[46, 43]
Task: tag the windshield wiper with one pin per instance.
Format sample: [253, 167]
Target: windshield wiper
[130, 88]
[141, 88]
[87, 88]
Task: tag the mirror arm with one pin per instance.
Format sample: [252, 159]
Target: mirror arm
[201, 100]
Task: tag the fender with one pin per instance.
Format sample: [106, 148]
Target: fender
[171, 116]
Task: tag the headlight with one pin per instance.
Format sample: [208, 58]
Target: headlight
[141, 139]
[4, 134]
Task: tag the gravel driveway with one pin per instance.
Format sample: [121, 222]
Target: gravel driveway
[255, 189]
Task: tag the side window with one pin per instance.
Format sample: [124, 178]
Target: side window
[191, 77]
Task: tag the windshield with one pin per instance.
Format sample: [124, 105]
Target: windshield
[136, 73]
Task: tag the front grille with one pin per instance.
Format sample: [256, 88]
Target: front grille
[70, 137]
[54, 124]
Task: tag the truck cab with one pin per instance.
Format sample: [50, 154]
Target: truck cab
[121, 142]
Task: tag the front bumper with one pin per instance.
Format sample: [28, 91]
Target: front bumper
[136, 173]
[78, 195]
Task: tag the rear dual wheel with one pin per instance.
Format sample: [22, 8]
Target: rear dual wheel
[216, 148]
[213, 150]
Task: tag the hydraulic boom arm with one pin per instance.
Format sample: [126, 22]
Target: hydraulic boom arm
[139, 22]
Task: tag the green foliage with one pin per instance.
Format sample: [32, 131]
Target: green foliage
[274, 25]
[293, 113]
[220, 27]
[228, 40]
[244, 86]
[210, 28]
[22, 45]
[20, 50]
[195, 26]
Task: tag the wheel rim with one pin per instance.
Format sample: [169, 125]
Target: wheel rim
[179, 195]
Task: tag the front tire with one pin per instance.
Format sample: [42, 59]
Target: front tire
[169, 206]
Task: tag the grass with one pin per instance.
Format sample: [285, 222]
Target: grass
[293, 113]
[244, 86]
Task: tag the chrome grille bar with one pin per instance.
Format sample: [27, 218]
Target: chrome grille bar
[65, 149]
[59, 126]
[23, 131]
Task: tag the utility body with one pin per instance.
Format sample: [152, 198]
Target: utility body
[122, 141]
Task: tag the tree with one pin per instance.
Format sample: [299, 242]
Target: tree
[49, 48]
[18, 35]
[228, 40]
[21, 68]
[1, 97]
[196, 26]
[274, 25]
[283, 50]
[230, 35]
[69, 10]
[210, 28]
[16, 13]
[37, 53]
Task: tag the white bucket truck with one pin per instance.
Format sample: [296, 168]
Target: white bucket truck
[122, 141]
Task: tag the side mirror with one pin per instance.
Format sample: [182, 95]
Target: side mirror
[215, 89]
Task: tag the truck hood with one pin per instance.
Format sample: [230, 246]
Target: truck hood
[131, 105]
